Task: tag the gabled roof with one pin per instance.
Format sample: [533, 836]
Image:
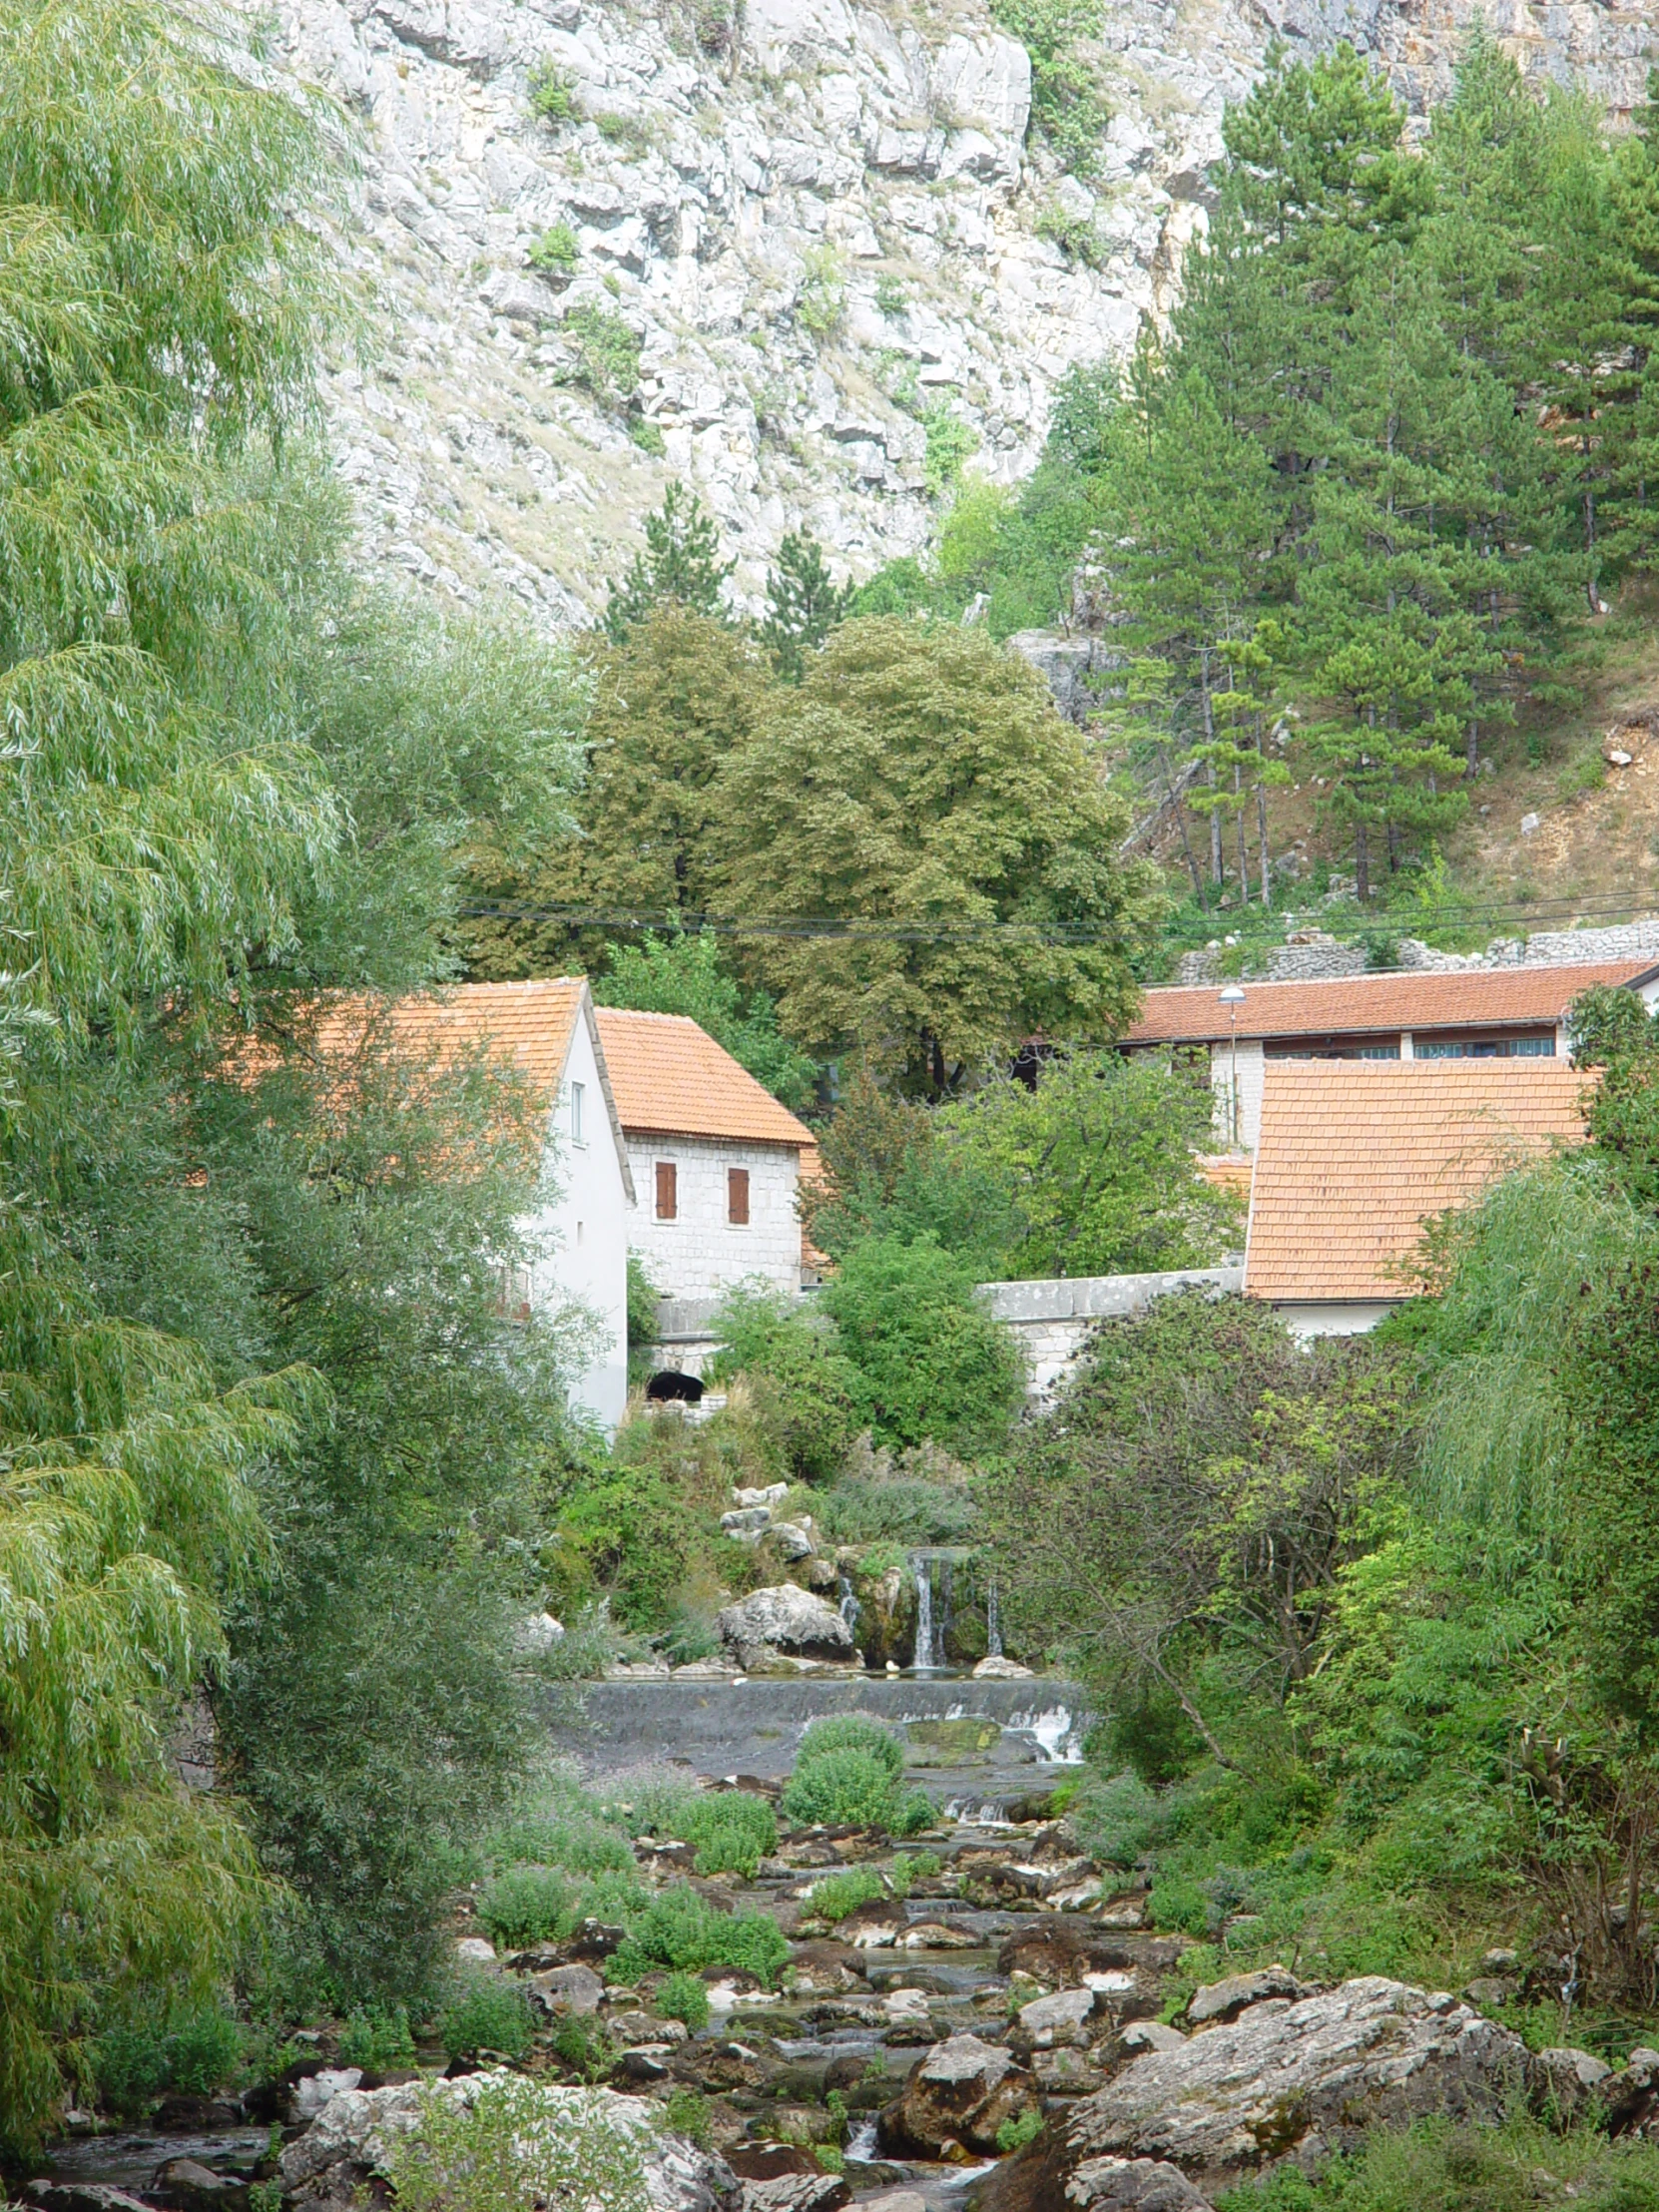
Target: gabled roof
[1356, 1155]
[1475, 998]
[532, 1026]
[672, 1080]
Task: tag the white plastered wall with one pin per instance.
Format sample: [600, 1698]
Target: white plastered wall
[582, 1230]
[1252, 1066]
[701, 1253]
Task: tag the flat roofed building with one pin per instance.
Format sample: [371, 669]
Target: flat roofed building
[1486, 1014]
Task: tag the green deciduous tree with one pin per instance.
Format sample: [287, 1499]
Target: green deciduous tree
[684, 974]
[924, 791]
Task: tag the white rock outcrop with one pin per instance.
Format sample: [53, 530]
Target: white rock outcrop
[817, 223]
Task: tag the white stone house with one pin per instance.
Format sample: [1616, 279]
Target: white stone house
[546, 1031]
[715, 1161]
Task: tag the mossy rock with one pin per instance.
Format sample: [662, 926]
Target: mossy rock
[950, 1743]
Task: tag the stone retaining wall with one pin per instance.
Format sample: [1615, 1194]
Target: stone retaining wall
[1050, 1317]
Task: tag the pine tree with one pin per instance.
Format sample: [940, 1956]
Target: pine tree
[804, 604]
[681, 564]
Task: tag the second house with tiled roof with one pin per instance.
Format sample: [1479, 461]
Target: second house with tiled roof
[715, 1160]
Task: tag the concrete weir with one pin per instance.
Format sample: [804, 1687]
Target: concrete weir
[974, 1747]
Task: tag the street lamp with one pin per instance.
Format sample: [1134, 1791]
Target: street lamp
[1233, 999]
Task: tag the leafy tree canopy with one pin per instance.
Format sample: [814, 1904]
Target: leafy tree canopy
[684, 974]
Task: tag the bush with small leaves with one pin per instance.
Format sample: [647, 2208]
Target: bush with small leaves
[485, 2012]
[683, 1996]
[837, 1895]
[606, 354]
[377, 2037]
[679, 1929]
[687, 2113]
[853, 1789]
[504, 2142]
[1017, 2131]
[529, 1904]
[821, 301]
[949, 442]
[557, 252]
[852, 1732]
[552, 92]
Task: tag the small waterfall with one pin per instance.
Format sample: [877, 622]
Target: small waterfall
[927, 1655]
[862, 2141]
[850, 1608]
[947, 1619]
[994, 1622]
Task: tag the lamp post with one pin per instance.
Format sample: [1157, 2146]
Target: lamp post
[1233, 999]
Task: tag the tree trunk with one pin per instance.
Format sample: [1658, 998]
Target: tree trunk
[1471, 759]
[1244, 854]
[1362, 859]
[1179, 810]
[1262, 839]
[1217, 875]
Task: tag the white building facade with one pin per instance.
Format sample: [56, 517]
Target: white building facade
[715, 1159]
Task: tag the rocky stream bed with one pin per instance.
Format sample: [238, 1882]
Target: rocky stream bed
[999, 2037]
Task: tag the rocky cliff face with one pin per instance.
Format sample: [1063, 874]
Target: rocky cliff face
[809, 251]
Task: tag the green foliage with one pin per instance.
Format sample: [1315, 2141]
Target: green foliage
[834, 1896]
[951, 441]
[1017, 2132]
[683, 1996]
[556, 251]
[604, 357]
[852, 1732]
[899, 587]
[679, 1930]
[485, 2012]
[931, 1361]
[377, 2038]
[681, 564]
[501, 2143]
[918, 770]
[527, 1905]
[808, 1394]
[820, 303]
[195, 2053]
[804, 604]
[584, 2047]
[889, 296]
[683, 973]
[854, 1789]
[1477, 2169]
[1068, 110]
[687, 2113]
[643, 1297]
[552, 93]
[732, 1830]
[900, 1509]
[646, 435]
[1097, 1159]
[1079, 238]
[630, 131]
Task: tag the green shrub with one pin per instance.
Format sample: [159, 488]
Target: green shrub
[565, 1831]
[853, 1789]
[949, 442]
[914, 1867]
[852, 1732]
[630, 131]
[687, 2113]
[556, 251]
[1078, 237]
[902, 1510]
[585, 2048]
[837, 1895]
[678, 1928]
[732, 1831]
[485, 2012]
[889, 296]
[1509, 2168]
[1018, 2130]
[552, 92]
[139, 2061]
[646, 435]
[607, 353]
[932, 1361]
[494, 2145]
[683, 1997]
[821, 301]
[806, 1393]
[529, 1904]
[377, 2038]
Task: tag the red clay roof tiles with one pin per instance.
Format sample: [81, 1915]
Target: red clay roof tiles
[1473, 999]
[671, 1080]
[1356, 1155]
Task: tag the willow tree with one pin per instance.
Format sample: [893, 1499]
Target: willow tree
[159, 314]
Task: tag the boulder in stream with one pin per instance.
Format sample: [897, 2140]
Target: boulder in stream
[961, 2093]
[786, 1621]
[354, 2135]
[1282, 2079]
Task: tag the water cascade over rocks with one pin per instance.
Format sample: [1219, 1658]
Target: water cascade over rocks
[927, 1657]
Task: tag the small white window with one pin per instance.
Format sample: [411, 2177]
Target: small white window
[576, 1094]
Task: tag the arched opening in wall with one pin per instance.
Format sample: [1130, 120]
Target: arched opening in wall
[668, 1387]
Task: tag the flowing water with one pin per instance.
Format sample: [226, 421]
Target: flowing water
[928, 1655]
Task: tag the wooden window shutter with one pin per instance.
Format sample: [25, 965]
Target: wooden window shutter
[736, 1197]
[668, 1192]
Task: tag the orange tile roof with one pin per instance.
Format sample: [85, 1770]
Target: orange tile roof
[1227, 1171]
[1356, 1155]
[532, 1023]
[671, 1079]
[1472, 1000]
